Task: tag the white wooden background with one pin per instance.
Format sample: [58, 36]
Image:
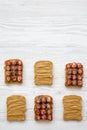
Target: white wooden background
[43, 29]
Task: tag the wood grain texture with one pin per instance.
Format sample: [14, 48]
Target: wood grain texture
[34, 30]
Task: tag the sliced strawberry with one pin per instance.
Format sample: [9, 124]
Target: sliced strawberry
[8, 67]
[19, 68]
[74, 77]
[8, 62]
[19, 62]
[74, 71]
[19, 78]
[49, 99]
[8, 73]
[43, 117]
[43, 106]
[49, 117]
[79, 77]
[80, 71]
[74, 82]
[79, 65]
[37, 117]
[80, 83]
[74, 65]
[19, 72]
[8, 79]
[48, 105]
[49, 111]
[68, 66]
[37, 111]
[43, 112]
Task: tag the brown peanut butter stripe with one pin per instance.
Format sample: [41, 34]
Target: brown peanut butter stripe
[16, 107]
[72, 107]
[43, 73]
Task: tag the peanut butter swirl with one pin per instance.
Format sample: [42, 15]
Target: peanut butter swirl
[16, 106]
[43, 73]
[72, 107]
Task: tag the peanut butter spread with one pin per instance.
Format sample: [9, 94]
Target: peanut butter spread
[43, 73]
[72, 107]
[16, 106]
